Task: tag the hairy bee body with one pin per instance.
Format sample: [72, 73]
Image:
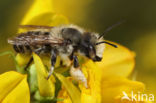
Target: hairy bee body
[64, 39]
[67, 41]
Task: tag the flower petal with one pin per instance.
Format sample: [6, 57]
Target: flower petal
[117, 61]
[38, 7]
[14, 88]
[92, 94]
[72, 91]
[22, 59]
[41, 13]
[46, 87]
[49, 19]
[114, 86]
[63, 94]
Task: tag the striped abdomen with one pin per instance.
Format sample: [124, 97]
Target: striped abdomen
[22, 48]
[33, 41]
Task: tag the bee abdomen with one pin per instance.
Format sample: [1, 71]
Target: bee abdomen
[22, 48]
[16, 48]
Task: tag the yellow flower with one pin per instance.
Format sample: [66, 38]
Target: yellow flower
[92, 94]
[63, 94]
[117, 61]
[41, 13]
[46, 87]
[22, 59]
[14, 88]
[14, 84]
[115, 86]
[45, 16]
[70, 89]
[107, 79]
[39, 7]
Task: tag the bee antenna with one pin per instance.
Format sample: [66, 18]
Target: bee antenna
[110, 28]
[106, 43]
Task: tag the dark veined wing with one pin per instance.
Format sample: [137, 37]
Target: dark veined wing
[30, 38]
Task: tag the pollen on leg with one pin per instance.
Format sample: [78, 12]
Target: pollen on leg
[78, 75]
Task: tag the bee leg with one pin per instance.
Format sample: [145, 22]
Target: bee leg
[76, 72]
[61, 63]
[53, 61]
[76, 62]
[38, 51]
[16, 48]
[21, 48]
[28, 64]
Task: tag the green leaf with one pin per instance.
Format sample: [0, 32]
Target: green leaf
[42, 99]
[33, 78]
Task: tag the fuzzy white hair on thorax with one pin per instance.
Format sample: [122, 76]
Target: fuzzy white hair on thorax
[56, 31]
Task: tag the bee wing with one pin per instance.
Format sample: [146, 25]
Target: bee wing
[35, 27]
[27, 39]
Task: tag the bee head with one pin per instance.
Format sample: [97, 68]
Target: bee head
[91, 46]
[88, 47]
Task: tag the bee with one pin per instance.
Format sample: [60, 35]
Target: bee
[68, 42]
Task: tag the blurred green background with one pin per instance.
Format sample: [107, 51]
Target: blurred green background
[138, 32]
